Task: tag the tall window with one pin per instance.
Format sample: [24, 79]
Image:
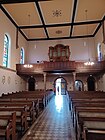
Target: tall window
[22, 56]
[99, 49]
[6, 50]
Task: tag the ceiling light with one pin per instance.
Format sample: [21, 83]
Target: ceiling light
[28, 66]
[89, 63]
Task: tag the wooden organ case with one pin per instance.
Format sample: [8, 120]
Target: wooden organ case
[59, 53]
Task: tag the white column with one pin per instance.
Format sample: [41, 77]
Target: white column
[44, 81]
[74, 78]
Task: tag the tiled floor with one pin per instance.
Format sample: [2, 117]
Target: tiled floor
[54, 123]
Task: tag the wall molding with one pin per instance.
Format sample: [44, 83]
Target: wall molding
[8, 69]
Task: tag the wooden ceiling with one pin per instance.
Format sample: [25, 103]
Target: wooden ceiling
[55, 19]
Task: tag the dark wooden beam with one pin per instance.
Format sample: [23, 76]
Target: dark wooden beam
[81, 36]
[18, 1]
[72, 37]
[73, 16]
[23, 34]
[41, 17]
[98, 27]
[87, 22]
[61, 25]
[49, 25]
[14, 1]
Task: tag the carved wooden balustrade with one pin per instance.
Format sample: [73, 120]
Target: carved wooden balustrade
[97, 67]
[26, 69]
[59, 66]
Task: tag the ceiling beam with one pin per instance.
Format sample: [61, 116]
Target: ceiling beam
[73, 15]
[18, 1]
[60, 25]
[87, 22]
[49, 25]
[98, 27]
[41, 17]
[15, 1]
[72, 37]
[23, 34]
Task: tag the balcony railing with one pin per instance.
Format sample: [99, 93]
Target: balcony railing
[66, 65]
[59, 66]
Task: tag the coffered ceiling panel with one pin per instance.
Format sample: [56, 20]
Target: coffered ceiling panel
[34, 33]
[24, 13]
[57, 32]
[55, 19]
[95, 10]
[57, 11]
[84, 30]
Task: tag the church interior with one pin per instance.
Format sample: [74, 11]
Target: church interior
[52, 70]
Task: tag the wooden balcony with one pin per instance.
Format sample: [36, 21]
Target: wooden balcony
[60, 67]
[97, 67]
[35, 69]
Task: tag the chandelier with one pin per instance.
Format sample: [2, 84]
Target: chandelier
[28, 66]
[88, 62]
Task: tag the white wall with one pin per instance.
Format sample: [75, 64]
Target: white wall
[7, 27]
[16, 83]
[101, 82]
[38, 50]
[99, 40]
[51, 78]
[10, 81]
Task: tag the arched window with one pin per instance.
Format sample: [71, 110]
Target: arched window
[78, 85]
[6, 51]
[22, 56]
[99, 50]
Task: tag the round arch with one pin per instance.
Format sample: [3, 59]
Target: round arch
[91, 83]
[60, 85]
[79, 85]
[31, 83]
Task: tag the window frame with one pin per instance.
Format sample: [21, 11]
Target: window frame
[6, 50]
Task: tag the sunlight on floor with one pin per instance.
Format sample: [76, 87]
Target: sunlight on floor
[59, 102]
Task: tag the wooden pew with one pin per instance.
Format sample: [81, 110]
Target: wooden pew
[88, 107]
[41, 97]
[21, 116]
[30, 106]
[8, 126]
[90, 134]
[31, 103]
[88, 114]
[93, 128]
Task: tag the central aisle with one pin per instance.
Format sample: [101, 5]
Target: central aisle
[54, 123]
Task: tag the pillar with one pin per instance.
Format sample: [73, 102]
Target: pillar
[44, 81]
[74, 78]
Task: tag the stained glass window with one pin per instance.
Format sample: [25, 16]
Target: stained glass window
[22, 56]
[6, 49]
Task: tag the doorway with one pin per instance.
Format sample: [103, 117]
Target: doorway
[31, 84]
[78, 85]
[60, 86]
[91, 83]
